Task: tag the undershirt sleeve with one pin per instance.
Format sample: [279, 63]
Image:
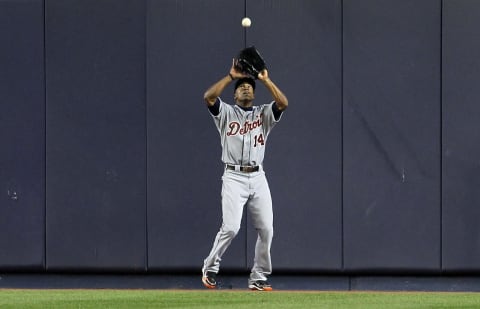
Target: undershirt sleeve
[215, 108]
[276, 112]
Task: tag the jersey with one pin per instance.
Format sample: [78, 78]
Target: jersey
[244, 133]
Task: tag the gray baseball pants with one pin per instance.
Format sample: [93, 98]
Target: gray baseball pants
[241, 189]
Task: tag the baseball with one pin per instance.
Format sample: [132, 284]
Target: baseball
[246, 22]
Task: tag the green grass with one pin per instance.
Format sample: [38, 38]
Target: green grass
[231, 299]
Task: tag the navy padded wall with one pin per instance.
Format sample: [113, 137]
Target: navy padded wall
[108, 61]
[392, 135]
[96, 144]
[22, 132]
[190, 46]
[301, 43]
[461, 136]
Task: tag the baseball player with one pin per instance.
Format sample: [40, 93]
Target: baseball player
[244, 130]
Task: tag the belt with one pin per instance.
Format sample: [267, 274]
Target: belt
[245, 169]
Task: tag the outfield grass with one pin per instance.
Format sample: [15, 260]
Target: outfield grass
[231, 299]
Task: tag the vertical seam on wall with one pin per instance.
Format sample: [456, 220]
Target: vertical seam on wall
[245, 28]
[146, 129]
[341, 134]
[441, 135]
[45, 132]
[245, 212]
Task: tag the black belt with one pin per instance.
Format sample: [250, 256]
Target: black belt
[245, 169]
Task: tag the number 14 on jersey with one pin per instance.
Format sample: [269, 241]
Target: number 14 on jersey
[259, 140]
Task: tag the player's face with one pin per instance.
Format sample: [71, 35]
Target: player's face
[244, 93]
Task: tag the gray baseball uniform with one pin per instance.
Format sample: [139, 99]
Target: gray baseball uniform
[243, 134]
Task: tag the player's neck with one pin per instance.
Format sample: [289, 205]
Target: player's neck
[245, 104]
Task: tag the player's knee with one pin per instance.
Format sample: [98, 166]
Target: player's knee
[230, 231]
[266, 232]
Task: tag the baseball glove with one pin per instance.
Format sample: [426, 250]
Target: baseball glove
[249, 61]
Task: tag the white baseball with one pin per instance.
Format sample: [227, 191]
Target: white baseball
[246, 22]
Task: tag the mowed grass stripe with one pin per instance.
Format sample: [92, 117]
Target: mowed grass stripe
[231, 299]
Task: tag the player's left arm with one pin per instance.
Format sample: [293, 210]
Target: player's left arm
[278, 96]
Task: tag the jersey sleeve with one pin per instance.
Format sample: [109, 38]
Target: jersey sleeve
[271, 116]
[269, 120]
[221, 116]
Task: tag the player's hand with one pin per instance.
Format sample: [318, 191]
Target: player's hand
[263, 75]
[234, 72]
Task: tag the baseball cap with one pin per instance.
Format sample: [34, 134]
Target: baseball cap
[242, 80]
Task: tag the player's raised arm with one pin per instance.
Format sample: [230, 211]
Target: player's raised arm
[216, 89]
[277, 94]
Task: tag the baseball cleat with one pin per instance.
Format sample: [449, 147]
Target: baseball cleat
[260, 285]
[209, 281]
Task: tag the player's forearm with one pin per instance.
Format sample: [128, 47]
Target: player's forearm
[216, 90]
[277, 94]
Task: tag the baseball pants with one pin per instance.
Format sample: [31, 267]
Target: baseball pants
[238, 190]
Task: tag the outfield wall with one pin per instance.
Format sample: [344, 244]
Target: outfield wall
[110, 161]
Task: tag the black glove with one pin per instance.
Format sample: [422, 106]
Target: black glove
[249, 61]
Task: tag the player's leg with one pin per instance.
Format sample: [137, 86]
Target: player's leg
[260, 207]
[234, 196]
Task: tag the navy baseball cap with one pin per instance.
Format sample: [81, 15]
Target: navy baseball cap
[240, 81]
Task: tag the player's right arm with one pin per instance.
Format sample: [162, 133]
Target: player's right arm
[216, 89]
